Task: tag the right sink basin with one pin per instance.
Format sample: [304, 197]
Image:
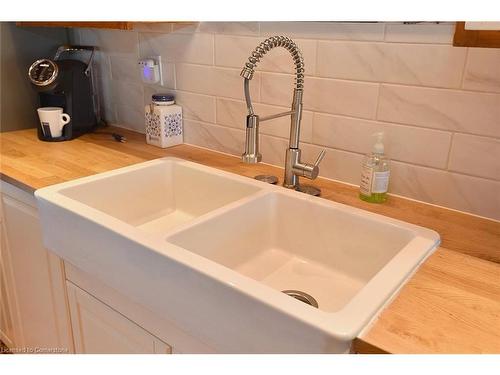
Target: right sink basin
[350, 261]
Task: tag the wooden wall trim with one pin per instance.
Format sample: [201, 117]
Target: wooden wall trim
[475, 38]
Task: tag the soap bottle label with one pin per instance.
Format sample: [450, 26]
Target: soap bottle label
[380, 182]
[366, 180]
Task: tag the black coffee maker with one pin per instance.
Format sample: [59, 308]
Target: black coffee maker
[67, 83]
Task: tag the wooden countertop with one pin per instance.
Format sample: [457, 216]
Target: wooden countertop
[451, 305]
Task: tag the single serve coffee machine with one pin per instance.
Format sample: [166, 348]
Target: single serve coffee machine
[67, 83]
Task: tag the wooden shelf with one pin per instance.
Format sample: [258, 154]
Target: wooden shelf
[475, 38]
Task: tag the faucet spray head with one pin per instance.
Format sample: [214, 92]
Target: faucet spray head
[252, 154]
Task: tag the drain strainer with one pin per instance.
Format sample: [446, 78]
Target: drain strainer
[302, 297]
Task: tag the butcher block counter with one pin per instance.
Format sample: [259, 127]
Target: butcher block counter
[451, 304]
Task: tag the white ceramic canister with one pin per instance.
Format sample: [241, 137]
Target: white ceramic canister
[163, 121]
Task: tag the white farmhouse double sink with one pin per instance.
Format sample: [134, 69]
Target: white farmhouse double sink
[212, 252]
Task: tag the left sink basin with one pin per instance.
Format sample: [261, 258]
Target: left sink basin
[157, 196]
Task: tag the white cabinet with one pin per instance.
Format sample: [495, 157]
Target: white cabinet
[36, 293]
[6, 321]
[7, 302]
[97, 328]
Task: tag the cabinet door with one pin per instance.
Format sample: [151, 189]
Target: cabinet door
[7, 302]
[38, 278]
[99, 329]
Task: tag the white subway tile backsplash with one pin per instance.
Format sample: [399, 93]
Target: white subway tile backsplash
[219, 138]
[233, 113]
[273, 150]
[429, 33]
[232, 28]
[478, 156]
[185, 27]
[325, 30]
[438, 105]
[278, 89]
[110, 41]
[156, 27]
[108, 113]
[215, 81]
[453, 190]
[129, 108]
[168, 74]
[131, 116]
[341, 97]
[124, 68]
[404, 143]
[417, 64]
[104, 89]
[482, 71]
[337, 164]
[462, 111]
[127, 93]
[196, 107]
[350, 98]
[233, 51]
[188, 48]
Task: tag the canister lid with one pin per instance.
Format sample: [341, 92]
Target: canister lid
[163, 98]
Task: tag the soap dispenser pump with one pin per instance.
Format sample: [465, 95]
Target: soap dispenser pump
[375, 173]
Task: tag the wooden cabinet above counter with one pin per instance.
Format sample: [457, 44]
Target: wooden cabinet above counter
[124, 25]
[475, 38]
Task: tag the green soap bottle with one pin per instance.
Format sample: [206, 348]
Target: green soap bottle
[375, 173]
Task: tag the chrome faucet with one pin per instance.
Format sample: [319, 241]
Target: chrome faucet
[294, 167]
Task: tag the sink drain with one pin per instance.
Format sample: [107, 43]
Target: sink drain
[302, 297]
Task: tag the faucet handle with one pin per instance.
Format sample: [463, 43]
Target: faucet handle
[310, 171]
[320, 157]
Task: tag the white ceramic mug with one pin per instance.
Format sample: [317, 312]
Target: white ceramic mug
[52, 120]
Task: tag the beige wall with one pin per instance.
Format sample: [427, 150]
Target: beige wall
[438, 105]
[19, 48]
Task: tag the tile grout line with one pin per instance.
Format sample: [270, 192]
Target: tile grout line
[215, 104]
[316, 57]
[448, 158]
[213, 49]
[379, 89]
[464, 67]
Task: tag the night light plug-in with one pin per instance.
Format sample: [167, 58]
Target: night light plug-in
[150, 70]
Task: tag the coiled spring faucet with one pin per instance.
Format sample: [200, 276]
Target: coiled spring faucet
[294, 167]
